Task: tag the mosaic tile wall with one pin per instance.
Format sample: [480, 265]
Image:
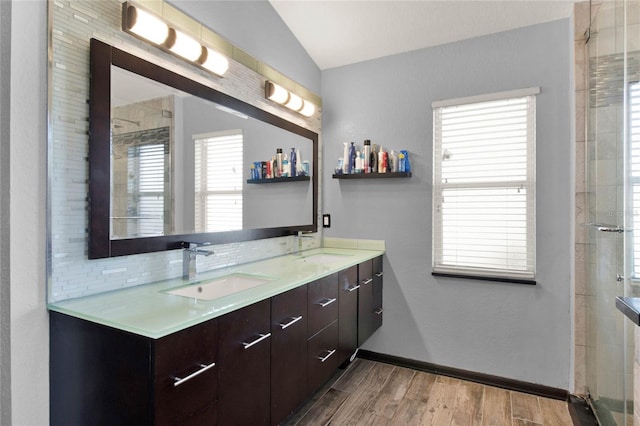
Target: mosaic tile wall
[71, 273]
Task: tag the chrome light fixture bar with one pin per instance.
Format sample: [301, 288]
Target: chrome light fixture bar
[150, 28]
[282, 96]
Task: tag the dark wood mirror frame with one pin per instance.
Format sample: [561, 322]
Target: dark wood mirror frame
[100, 243]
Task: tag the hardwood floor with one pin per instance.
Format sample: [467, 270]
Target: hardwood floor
[373, 393]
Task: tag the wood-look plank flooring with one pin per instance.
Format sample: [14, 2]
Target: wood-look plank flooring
[373, 393]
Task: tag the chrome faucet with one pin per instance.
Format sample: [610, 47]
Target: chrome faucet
[297, 242]
[189, 254]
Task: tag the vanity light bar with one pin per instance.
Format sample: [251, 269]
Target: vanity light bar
[150, 28]
[282, 96]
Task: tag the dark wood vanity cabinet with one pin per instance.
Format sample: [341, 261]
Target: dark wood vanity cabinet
[100, 375]
[322, 346]
[369, 298]
[288, 352]
[253, 366]
[348, 315]
[245, 366]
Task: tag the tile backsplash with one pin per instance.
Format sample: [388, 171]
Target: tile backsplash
[71, 273]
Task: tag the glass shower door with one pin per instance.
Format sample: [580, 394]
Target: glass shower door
[610, 124]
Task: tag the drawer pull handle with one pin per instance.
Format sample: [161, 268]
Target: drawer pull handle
[379, 311]
[354, 288]
[378, 274]
[326, 357]
[293, 321]
[179, 381]
[368, 281]
[258, 340]
[327, 302]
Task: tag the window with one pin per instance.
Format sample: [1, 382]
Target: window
[218, 181]
[146, 164]
[484, 186]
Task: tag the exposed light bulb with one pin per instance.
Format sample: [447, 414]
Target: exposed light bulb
[276, 93]
[294, 102]
[215, 62]
[185, 46]
[147, 25]
[308, 109]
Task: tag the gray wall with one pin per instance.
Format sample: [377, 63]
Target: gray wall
[255, 27]
[515, 331]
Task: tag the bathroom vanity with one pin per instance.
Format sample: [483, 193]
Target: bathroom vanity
[150, 356]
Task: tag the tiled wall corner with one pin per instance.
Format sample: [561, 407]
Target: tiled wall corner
[581, 23]
[74, 23]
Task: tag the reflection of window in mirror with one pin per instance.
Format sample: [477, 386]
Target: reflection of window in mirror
[218, 181]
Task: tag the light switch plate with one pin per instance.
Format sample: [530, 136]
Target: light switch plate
[326, 221]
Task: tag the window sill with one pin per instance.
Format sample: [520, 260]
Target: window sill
[479, 278]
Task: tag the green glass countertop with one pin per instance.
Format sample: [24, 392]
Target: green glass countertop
[149, 311]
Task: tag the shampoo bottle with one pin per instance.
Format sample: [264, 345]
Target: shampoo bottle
[352, 158]
[358, 162]
[293, 163]
[345, 158]
[373, 160]
[382, 167]
[367, 156]
[278, 170]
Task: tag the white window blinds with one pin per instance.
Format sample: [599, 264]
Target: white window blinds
[484, 186]
[218, 181]
[146, 168]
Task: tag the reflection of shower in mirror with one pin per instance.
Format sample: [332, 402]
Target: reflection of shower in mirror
[115, 120]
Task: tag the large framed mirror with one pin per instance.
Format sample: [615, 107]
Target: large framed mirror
[170, 161]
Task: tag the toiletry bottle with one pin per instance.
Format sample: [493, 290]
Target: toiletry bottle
[345, 158]
[367, 156]
[352, 158]
[293, 163]
[252, 171]
[381, 161]
[278, 173]
[299, 164]
[393, 162]
[305, 166]
[401, 167]
[373, 160]
[358, 162]
[407, 164]
[285, 166]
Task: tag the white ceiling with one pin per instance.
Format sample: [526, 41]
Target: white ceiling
[337, 32]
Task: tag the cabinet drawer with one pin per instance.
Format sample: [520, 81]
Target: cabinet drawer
[323, 303]
[185, 374]
[322, 358]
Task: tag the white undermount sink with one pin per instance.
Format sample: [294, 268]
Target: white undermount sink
[219, 287]
[322, 258]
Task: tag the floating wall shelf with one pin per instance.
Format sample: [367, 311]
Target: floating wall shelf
[280, 179]
[372, 175]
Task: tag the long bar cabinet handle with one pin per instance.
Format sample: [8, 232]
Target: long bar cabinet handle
[324, 358]
[379, 274]
[327, 302]
[258, 340]
[368, 281]
[354, 288]
[378, 311]
[205, 367]
[293, 321]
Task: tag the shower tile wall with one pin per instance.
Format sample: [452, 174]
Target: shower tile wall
[71, 274]
[581, 23]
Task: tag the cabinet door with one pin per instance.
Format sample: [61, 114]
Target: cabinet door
[288, 352]
[185, 376]
[323, 306]
[365, 301]
[244, 368]
[377, 293]
[322, 356]
[348, 316]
